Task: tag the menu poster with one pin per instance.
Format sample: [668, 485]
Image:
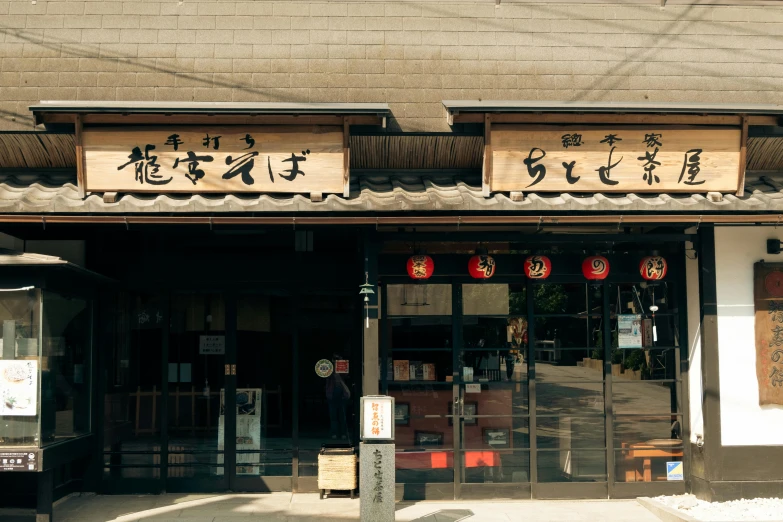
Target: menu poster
[629, 328]
[401, 371]
[18, 388]
[248, 436]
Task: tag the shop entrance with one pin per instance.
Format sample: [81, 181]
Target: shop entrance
[242, 407]
[216, 389]
[518, 388]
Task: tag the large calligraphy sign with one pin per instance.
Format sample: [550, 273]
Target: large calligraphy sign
[768, 301]
[538, 158]
[226, 159]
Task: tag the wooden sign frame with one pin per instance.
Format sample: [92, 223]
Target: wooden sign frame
[84, 124]
[491, 170]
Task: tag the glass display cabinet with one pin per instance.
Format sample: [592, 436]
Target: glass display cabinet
[46, 373]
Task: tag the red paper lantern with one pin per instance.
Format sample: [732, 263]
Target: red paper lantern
[420, 267]
[595, 268]
[653, 268]
[538, 267]
[481, 266]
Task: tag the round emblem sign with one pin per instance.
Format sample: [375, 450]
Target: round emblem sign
[324, 368]
[773, 283]
[538, 267]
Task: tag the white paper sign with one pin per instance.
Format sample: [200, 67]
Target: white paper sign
[377, 417]
[629, 334]
[18, 388]
[212, 344]
[473, 388]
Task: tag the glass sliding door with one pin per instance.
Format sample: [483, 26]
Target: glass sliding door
[492, 409]
[199, 405]
[646, 389]
[419, 366]
[570, 431]
[264, 395]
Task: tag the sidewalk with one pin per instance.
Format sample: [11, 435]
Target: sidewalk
[302, 507]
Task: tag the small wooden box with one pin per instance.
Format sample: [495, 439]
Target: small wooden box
[337, 469]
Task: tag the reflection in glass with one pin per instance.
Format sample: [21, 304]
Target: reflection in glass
[132, 406]
[196, 376]
[496, 433]
[646, 463]
[570, 397]
[494, 299]
[630, 431]
[571, 298]
[65, 373]
[264, 389]
[495, 348]
[418, 299]
[421, 466]
[567, 432]
[571, 466]
[20, 314]
[495, 466]
[644, 397]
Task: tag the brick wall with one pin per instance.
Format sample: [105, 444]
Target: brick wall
[408, 54]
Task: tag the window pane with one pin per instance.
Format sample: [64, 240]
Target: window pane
[119, 465]
[498, 398]
[590, 370]
[65, 375]
[645, 464]
[489, 299]
[572, 466]
[413, 430]
[570, 432]
[570, 397]
[572, 298]
[418, 299]
[495, 466]
[495, 348]
[556, 333]
[496, 433]
[658, 431]
[20, 314]
[644, 397]
[420, 350]
[419, 467]
[132, 403]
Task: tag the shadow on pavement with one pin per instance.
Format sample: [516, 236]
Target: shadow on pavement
[446, 515]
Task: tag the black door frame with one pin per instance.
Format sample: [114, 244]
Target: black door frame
[611, 488]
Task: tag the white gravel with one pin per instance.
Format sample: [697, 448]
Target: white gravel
[735, 510]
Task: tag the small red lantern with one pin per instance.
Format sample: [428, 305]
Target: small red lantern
[653, 268]
[420, 267]
[481, 266]
[595, 268]
[538, 267]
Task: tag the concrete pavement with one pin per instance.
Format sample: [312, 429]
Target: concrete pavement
[302, 507]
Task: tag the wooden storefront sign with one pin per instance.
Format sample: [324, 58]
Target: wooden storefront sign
[546, 158]
[768, 301]
[223, 159]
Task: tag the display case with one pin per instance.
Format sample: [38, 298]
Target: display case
[46, 365]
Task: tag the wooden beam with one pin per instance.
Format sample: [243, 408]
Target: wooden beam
[486, 178]
[743, 160]
[346, 158]
[80, 181]
[216, 119]
[608, 119]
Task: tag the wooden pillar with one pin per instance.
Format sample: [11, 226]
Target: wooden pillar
[370, 344]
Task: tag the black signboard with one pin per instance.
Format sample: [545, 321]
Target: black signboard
[18, 461]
